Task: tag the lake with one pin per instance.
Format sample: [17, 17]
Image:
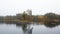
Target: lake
[33, 28]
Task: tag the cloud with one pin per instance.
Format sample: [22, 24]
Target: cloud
[37, 6]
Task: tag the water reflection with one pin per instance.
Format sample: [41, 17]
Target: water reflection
[51, 24]
[27, 29]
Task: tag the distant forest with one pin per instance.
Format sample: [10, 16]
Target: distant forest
[29, 17]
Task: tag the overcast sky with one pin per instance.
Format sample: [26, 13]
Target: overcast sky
[38, 7]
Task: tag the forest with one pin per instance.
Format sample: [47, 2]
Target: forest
[28, 17]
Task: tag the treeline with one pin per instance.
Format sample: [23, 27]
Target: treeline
[52, 17]
[17, 18]
[28, 17]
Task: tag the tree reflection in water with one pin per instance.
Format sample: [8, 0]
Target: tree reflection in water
[51, 24]
[26, 28]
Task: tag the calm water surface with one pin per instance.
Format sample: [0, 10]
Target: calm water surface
[29, 29]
